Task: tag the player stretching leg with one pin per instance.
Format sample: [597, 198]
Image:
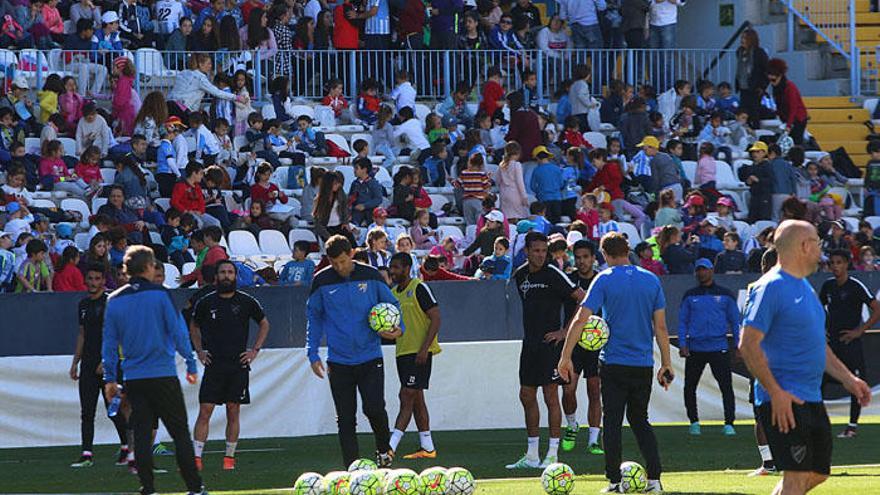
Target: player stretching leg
[415, 350]
[633, 305]
[221, 321]
[583, 360]
[783, 344]
[88, 358]
[543, 289]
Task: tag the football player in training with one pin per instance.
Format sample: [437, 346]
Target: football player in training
[543, 289]
[583, 360]
[415, 351]
[219, 330]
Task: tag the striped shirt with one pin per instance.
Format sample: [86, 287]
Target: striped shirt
[381, 22]
[641, 164]
[475, 183]
[606, 227]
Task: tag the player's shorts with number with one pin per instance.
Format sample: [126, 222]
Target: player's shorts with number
[225, 381]
[412, 375]
[537, 364]
[585, 361]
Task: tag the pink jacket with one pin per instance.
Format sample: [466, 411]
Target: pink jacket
[71, 108]
[53, 20]
[53, 167]
[705, 171]
[268, 48]
[421, 240]
[124, 104]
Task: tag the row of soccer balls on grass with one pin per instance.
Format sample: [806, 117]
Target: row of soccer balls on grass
[384, 317]
[363, 478]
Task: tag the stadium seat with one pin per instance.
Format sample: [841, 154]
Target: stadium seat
[347, 172]
[384, 178]
[242, 243]
[8, 58]
[32, 145]
[421, 111]
[743, 229]
[239, 142]
[296, 110]
[164, 203]
[445, 231]
[852, 224]
[151, 66]
[340, 141]
[724, 178]
[437, 202]
[268, 112]
[324, 115]
[393, 232]
[188, 268]
[279, 177]
[760, 225]
[632, 233]
[470, 232]
[172, 274]
[690, 169]
[74, 204]
[597, 139]
[108, 175]
[69, 146]
[366, 137]
[273, 242]
[874, 221]
[156, 238]
[300, 235]
[82, 241]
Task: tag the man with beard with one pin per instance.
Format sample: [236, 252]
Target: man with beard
[219, 330]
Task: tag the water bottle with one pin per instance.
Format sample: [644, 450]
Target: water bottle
[113, 407]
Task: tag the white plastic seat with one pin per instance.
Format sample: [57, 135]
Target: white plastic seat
[690, 169]
[188, 268]
[97, 203]
[743, 229]
[760, 225]
[268, 112]
[597, 139]
[239, 142]
[421, 111]
[172, 274]
[366, 137]
[242, 243]
[437, 203]
[325, 116]
[724, 178]
[279, 176]
[300, 235]
[69, 145]
[874, 221]
[296, 110]
[347, 172]
[444, 231]
[273, 242]
[632, 233]
[108, 175]
[851, 223]
[32, 146]
[74, 204]
[150, 63]
[43, 203]
[164, 203]
[340, 141]
[82, 241]
[384, 178]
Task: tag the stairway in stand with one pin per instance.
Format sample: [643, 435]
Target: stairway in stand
[836, 121]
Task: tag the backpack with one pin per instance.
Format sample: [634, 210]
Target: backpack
[246, 277]
[844, 164]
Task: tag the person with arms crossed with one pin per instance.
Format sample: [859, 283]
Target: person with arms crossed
[633, 305]
[219, 331]
[843, 298]
[88, 358]
[543, 289]
[142, 324]
[338, 307]
[583, 360]
[415, 351]
[783, 344]
[707, 313]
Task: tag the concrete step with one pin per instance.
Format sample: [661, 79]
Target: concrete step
[852, 147]
[828, 102]
[837, 115]
[837, 132]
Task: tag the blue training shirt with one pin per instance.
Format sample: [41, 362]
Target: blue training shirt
[628, 296]
[788, 312]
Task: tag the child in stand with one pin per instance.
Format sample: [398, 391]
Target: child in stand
[67, 276]
[299, 271]
[872, 179]
[368, 102]
[223, 109]
[589, 215]
[383, 137]
[572, 135]
[55, 176]
[694, 213]
[309, 191]
[89, 170]
[243, 108]
[92, 129]
[499, 265]
[537, 210]
[35, 275]
[658, 126]
[167, 173]
[276, 201]
[704, 178]
[403, 195]
[615, 152]
[563, 104]
[668, 212]
[307, 139]
[422, 235]
[434, 169]
[710, 244]
[405, 244]
[493, 95]
[645, 252]
[732, 259]
[125, 101]
[434, 128]
[718, 136]
[741, 133]
[819, 189]
[52, 128]
[215, 204]
[727, 102]
[175, 236]
[207, 145]
[48, 97]
[570, 174]
[228, 155]
[705, 98]
[336, 101]
[403, 94]
[606, 220]
[71, 104]
[724, 208]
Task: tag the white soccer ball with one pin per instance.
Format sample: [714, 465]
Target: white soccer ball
[633, 478]
[460, 481]
[384, 317]
[366, 483]
[362, 464]
[558, 479]
[309, 484]
[337, 483]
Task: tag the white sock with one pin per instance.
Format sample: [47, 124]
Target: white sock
[130, 456]
[553, 450]
[230, 449]
[396, 436]
[853, 425]
[426, 441]
[532, 453]
[198, 447]
[765, 453]
[571, 420]
[87, 453]
[594, 435]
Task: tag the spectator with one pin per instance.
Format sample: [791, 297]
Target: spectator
[635, 15]
[324, 31]
[53, 20]
[502, 37]
[547, 183]
[473, 184]
[423, 237]
[403, 193]
[645, 252]
[511, 187]
[443, 13]
[123, 216]
[554, 43]
[582, 17]
[77, 56]
[473, 37]
[526, 9]
[613, 104]
[55, 175]
[732, 259]
[493, 94]
[299, 271]
[679, 258]
[191, 85]
[71, 104]
[485, 240]
[279, 19]
[365, 193]
[35, 275]
[135, 23]
[411, 128]
[524, 129]
[212, 253]
[331, 212]
[668, 212]
[634, 125]
[346, 36]
[48, 97]
[85, 9]
[67, 277]
[187, 196]
[789, 104]
[455, 106]
[434, 270]
[664, 17]
[664, 171]
[205, 39]
[606, 220]
[125, 100]
[106, 43]
[751, 74]
[92, 130]
[256, 35]
[256, 220]
[759, 178]
[7, 263]
[783, 181]
[579, 95]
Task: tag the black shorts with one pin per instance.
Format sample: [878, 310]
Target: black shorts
[225, 382]
[805, 448]
[852, 356]
[585, 361]
[537, 364]
[413, 375]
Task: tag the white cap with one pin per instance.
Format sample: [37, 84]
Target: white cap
[109, 17]
[19, 81]
[573, 237]
[495, 216]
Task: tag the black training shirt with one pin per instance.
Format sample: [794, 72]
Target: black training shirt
[571, 306]
[543, 294]
[91, 318]
[843, 305]
[225, 323]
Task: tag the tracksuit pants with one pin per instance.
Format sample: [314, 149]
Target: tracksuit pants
[719, 362]
[627, 389]
[162, 398]
[369, 380]
[91, 385]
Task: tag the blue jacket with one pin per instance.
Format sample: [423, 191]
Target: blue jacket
[784, 177]
[367, 193]
[112, 46]
[705, 317]
[339, 309]
[570, 177]
[143, 328]
[547, 182]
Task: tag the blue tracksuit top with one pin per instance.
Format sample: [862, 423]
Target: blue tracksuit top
[547, 182]
[705, 317]
[339, 309]
[142, 325]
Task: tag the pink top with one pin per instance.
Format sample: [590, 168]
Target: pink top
[122, 92]
[705, 170]
[268, 48]
[89, 173]
[71, 108]
[55, 168]
[53, 20]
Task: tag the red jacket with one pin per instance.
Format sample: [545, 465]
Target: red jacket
[492, 94]
[247, 7]
[610, 178]
[214, 255]
[337, 104]
[412, 19]
[345, 34]
[791, 109]
[525, 129]
[68, 279]
[187, 198]
[574, 138]
[442, 274]
[421, 199]
[264, 194]
[592, 221]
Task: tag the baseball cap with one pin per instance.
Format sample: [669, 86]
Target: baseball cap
[174, 121]
[524, 226]
[39, 217]
[725, 201]
[20, 82]
[12, 207]
[380, 212]
[495, 216]
[573, 237]
[713, 221]
[759, 146]
[64, 230]
[703, 263]
[651, 141]
[695, 200]
[539, 150]
[110, 17]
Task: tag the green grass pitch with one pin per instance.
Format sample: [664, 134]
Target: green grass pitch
[708, 464]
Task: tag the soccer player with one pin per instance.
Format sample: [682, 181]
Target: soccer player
[89, 372]
[341, 298]
[843, 298]
[219, 330]
[707, 312]
[767, 467]
[783, 344]
[633, 305]
[415, 352]
[142, 324]
[583, 360]
[543, 289]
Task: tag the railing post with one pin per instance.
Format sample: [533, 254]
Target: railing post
[447, 74]
[258, 86]
[137, 75]
[630, 67]
[539, 72]
[352, 73]
[790, 21]
[855, 62]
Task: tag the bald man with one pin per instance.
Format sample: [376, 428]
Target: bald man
[783, 344]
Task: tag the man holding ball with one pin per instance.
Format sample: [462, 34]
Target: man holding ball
[632, 303]
[340, 301]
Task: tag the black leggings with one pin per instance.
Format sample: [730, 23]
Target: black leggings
[345, 383]
[90, 387]
[719, 362]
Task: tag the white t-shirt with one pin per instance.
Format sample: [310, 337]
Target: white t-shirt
[404, 95]
[168, 15]
[415, 136]
[666, 13]
[18, 193]
[18, 225]
[312, 9]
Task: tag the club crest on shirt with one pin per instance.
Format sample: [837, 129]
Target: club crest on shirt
[362, 287]
[213, 314]
[235, 309]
